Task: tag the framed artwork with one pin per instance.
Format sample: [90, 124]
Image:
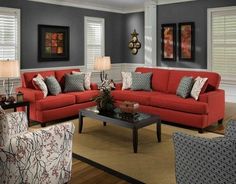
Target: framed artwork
[186, 41]
[168, 42]
[53, 43]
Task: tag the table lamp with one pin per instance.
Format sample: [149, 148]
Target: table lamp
[9, 69]
[103, 63]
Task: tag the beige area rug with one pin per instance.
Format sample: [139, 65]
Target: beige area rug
[111, 146]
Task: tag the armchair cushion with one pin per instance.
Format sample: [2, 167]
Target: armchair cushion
[42, 156]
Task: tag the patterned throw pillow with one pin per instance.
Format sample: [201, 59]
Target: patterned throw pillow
[185, 87]
[87, 78]
[53, 85]
[197, 87]
[126, 80]
[74, 83]
[39, 81]
[141, 81]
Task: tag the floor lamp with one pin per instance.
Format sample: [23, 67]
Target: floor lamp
[102, 64]
[9, 69]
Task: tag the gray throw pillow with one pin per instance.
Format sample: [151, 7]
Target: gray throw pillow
[53, 85]
[185, 87]
[141, 81]
[74, 83]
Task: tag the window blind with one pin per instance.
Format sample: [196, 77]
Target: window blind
[223, 42]
[94, 40]
[9, 34]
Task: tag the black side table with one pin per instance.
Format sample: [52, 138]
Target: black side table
[14, 105]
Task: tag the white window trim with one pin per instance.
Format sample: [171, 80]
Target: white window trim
[85, 38]
[210, 11]
[18, 13]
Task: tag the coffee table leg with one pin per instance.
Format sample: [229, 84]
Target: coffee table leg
[104, 123]
[135, 139]
[158, 129]
[80, 122]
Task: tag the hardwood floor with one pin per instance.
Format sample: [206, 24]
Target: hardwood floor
[83, 173]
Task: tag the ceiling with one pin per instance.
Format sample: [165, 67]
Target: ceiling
[120, 6]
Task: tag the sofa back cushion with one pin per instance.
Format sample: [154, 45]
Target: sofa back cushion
[60, 75]
[160, 78]
[28, 77]
[176, 75]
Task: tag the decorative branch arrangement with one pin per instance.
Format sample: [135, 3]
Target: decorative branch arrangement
[134, 43]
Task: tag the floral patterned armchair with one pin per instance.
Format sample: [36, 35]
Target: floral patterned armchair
[40, 156]
[207, 161]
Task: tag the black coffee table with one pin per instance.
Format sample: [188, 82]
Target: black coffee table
[134, 122]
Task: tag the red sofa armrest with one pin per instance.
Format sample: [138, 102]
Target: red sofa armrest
[31, 95]
[216, 102]
[118, 86]
[94, 86]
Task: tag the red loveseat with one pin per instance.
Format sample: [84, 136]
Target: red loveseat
[163, 101]
[52, 108]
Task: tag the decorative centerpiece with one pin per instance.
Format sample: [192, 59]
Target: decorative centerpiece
[129, 107]
[105, 102]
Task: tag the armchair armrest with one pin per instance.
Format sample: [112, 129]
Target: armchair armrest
[31, 95]
[13, 123]
[231, 130]
[202, 160]
[41, 156]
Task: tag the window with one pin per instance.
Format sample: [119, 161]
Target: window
[94, 40]
[9, 34]
[222, 41]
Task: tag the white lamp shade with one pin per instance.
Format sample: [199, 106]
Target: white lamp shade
[103, 63]
[9, 69]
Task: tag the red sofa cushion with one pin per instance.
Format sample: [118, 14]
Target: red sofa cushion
[84, 96]
[28, 77]
[160, 77]
[142, 97]
[173, 102]
[61, 73]
[53, 102]
[176, 75]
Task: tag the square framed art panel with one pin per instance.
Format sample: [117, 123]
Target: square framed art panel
[168, 42]
[53, 43]
[186, 41]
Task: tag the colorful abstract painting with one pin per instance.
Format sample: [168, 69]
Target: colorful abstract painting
[186, 41]
[168, 42]
[53, 43]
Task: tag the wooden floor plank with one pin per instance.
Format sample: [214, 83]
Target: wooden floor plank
[83, 173]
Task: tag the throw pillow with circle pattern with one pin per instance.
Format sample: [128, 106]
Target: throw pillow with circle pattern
[74, 83]
[53, 85]
[3, 120]
[185, 87]
[141, 81]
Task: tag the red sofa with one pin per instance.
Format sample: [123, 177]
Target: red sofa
[162, 100]
[51, 108]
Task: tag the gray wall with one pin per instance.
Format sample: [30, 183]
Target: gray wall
[195, 11]
[33, 13]
[133, 21]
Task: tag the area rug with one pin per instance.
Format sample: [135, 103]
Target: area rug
[111, 146]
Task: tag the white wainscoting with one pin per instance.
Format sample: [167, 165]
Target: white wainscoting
[115, 73]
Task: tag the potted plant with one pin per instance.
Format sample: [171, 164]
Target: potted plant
[105, 102]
